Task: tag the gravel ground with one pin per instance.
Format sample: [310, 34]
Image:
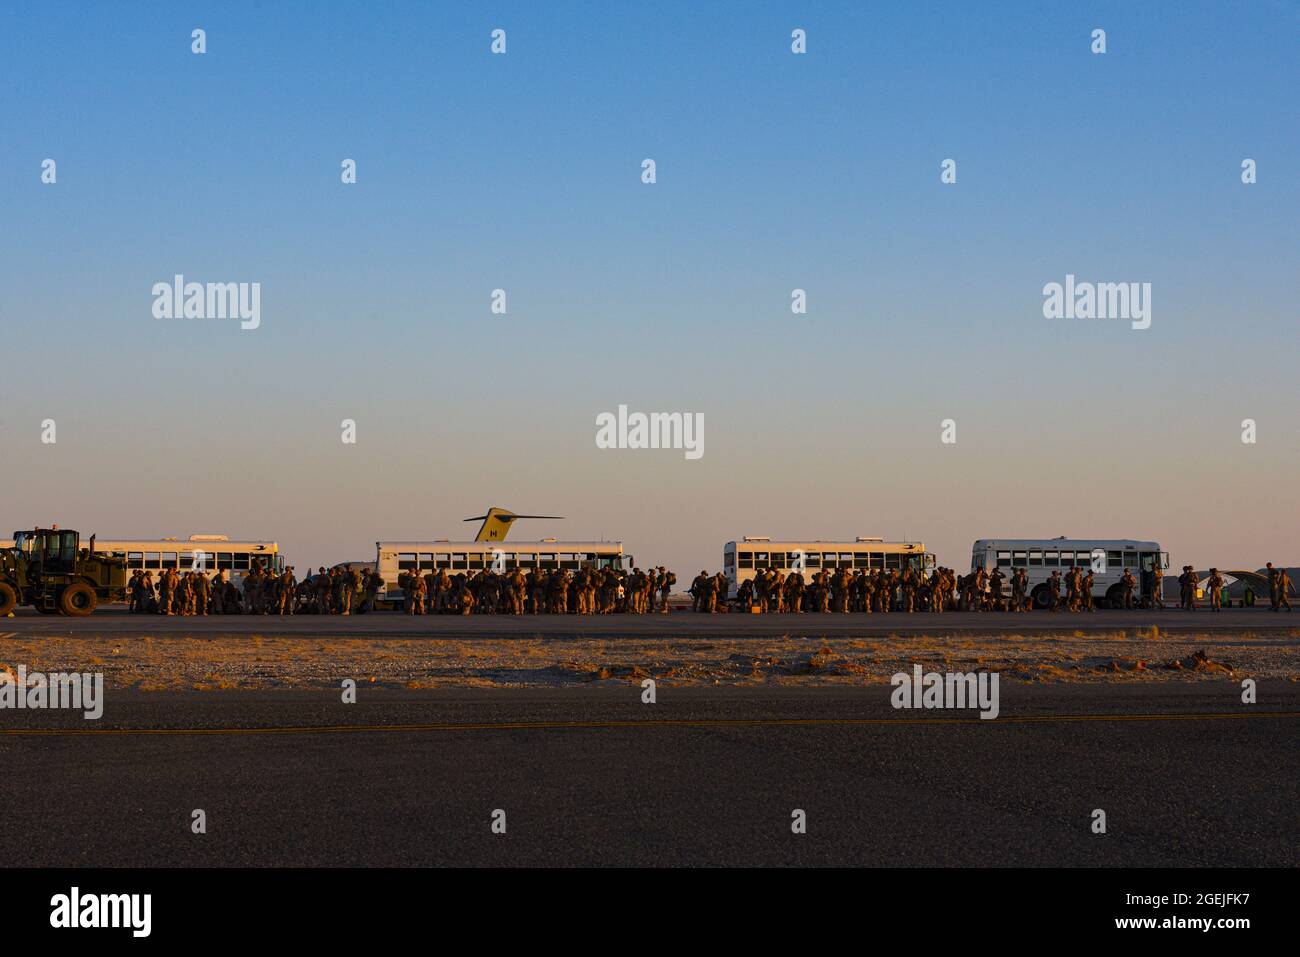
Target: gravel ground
[173, 663]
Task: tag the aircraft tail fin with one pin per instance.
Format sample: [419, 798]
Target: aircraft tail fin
[497, 522]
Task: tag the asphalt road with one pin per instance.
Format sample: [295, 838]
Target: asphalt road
[115, 621]
[703, 777]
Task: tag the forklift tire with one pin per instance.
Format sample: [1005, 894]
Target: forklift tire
[78, 600]
[8, 599]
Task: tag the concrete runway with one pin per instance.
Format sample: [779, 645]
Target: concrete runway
[1187, 776]
[114, 620]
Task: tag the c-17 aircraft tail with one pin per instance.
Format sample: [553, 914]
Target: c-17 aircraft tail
[497, 522]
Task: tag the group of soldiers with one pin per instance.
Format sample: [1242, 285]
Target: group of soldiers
[839, 591]
[339, 591]
[907, 590]
[556, 591]
[344, 590]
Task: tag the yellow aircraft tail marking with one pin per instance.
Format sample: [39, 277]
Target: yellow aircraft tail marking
[497, 522]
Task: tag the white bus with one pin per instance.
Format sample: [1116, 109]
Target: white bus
[216, 552]
[742, 558]
[1106, 557]
[468, 558]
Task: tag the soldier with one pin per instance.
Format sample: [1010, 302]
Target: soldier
[188, 594]
[167, 592]
[696, 591]
[793, 592]
[1086, 590]
[995, 588]
[1272, 587]
[1127, 584]
[909, 590]
[252, 589]
[709, 599]
[417, 590]
[1215, 588]
[1019, 581]
[666, 582]
[1054, 591]
[1191, 587]
[1157, 584]
[286, 592]
[344, 597]
[202, 590]
[464, 596]
[1072, 588]
[1283, 589]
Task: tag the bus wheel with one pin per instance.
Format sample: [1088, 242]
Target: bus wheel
[8, 598]
[1114, 597]
[78, 600]
[1041, 596]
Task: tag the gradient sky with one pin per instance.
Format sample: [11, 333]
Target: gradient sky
[775, 171]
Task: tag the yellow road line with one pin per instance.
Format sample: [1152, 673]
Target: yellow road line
[659, 723]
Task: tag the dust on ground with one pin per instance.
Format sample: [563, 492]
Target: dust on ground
[152, 663]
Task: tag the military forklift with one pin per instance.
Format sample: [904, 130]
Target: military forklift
[48, 569]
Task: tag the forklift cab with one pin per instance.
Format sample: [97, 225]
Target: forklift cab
[51, 551]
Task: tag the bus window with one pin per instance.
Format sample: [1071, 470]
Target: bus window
[760, 559]
[1114, 561]
[729, 560]
[135, 559]
[1004, 559]
[458, 561]
[1130, 559]
[877, 560]
[478, 559]
[891, 560]
[526, 560]
[1051, 559]
[812, 560]
[1035, 559]
[846, 559]
[547, 560]
[862, 560]
[746, 559]
[1018, 559]
[241, 561]
[225, 560]
[569, 561]
[441, 560]
[778, 560]
[426, 560]
[406, 562]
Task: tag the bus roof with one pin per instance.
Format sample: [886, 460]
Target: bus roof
[547, 545]
[104, 543]
[1121, 544]
[167, 544]
[863, 544]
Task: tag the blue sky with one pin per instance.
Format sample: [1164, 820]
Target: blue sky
[775, 171]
